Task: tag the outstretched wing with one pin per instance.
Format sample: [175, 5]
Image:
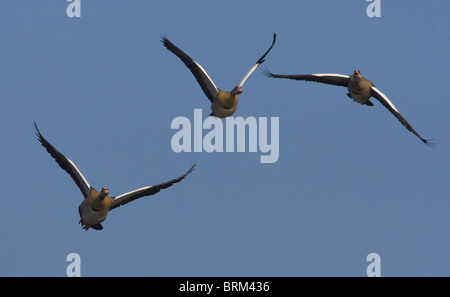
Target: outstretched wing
[66, 164]
[259, 62]
[326, 78]
[377, 94]
[146, 191]
[203, 79]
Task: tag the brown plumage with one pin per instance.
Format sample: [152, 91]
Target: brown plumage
[223, 104]
[96, 205]
[359, 89]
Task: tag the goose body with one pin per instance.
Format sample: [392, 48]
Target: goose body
[94, 208]
[223, 103]
[359, 89]
[96, 205]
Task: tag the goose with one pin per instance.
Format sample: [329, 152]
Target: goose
[223, 104]
[96, 205]
[359, 88]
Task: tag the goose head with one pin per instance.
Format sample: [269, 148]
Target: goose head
[237, 90]
[357, 74]
[104, 191]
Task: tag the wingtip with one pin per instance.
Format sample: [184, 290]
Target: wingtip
[261, 60]
[164, 38]
[188, 172]
[429, 143]
[266, 72]
[37, 132]
[192, 168]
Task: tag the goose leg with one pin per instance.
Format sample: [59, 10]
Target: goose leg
[84, 226]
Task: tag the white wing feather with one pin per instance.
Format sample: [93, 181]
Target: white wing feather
[208, 81]
[385, 98]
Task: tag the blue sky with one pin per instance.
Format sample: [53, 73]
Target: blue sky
[350, 180]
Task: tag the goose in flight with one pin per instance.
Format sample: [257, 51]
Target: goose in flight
[223, 104]
[359, 88]
[96, 205]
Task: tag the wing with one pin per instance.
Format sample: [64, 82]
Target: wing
[146, 191]
[66, 164]
[388, 104]
[326, 78]
[203, 79]
[259, 62]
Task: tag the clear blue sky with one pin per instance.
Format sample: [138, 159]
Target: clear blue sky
[350, 179]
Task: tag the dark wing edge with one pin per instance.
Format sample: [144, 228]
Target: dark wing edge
[65, 164]
[326, 78]
[261, 60]
[198, 72]
[146, 191]
[382, 98]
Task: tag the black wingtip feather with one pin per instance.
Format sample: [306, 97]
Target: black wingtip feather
[164, 38]
[190, 170]
[261, 60]
[266, 72]
[429, 143]
[39, 135]
[169, 184]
